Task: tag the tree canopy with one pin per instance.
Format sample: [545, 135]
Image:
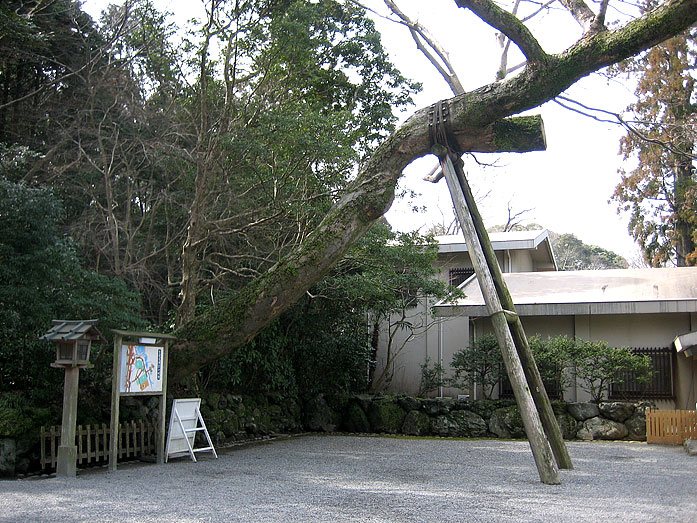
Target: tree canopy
[475, 119]
[222, 174]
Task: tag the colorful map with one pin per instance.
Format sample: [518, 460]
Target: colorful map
[141, 369]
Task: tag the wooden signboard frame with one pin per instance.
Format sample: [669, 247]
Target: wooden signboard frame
[123, 341]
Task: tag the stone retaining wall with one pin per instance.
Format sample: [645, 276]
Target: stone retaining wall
[448, 417]
[232, 418]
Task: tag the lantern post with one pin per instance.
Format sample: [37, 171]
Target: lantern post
[73, 339]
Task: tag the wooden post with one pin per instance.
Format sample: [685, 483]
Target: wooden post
[532, 373]
[542, 453]
[67, 451]
[115, 398]
[161, 411]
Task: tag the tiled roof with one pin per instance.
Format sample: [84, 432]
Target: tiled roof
[73, 330]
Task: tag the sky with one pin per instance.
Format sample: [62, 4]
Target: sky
[565, 188]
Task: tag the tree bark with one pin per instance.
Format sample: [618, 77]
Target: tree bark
[476, 119]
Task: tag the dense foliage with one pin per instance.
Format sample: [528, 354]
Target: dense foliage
[41, 278]
[480, 363]
[326, 343]
[570, 252]
[189, 164]
[181, 163]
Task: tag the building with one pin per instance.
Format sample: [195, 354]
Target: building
[652, 311]
[406, 343]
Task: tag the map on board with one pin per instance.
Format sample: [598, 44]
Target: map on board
[141, 369]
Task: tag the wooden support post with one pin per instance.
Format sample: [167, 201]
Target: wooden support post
[66, 466]
[532, 373]
[161, 411]
[115, 397]
[542, 453]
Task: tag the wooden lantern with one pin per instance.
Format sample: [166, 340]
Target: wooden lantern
[73, 339]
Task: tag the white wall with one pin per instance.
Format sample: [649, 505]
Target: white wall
[426, 341]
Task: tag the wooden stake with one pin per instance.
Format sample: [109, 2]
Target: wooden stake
[532, 373]
[546, 466]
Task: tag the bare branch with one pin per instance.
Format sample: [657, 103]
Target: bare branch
[599, 22]
[430, 48]
[509, 25]
[506, 44]
[618, 119]
[581, 13]
[513, 217]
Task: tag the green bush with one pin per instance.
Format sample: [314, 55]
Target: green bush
[481, 363]
[595, 364]
[432, 377]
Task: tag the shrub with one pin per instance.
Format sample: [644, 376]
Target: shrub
[481, 363]
[432, 377]
[597, 365]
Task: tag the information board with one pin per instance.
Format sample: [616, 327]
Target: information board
[142, 369]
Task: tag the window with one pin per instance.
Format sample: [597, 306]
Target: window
[459, 275]
[553, 388]
[661, 384]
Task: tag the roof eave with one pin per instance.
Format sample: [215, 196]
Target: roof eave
[574, 309]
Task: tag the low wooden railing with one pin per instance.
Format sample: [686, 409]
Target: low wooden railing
[671, 427]
[136, 439]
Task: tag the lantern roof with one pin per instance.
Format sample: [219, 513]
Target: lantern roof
[73, 330]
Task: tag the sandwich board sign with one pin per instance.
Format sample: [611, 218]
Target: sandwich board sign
[184, 423]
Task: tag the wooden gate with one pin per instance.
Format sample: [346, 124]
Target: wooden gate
[671, 427]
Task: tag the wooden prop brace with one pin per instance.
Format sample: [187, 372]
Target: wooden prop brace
[536, 411]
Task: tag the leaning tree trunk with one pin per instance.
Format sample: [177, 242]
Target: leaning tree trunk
[479, 124]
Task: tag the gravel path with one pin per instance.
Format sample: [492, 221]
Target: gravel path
[350, 478]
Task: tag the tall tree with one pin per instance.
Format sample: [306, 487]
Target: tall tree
[190, 167]
[477, 123]
[43, 45]
[573, 254]
[300, 94]
[660, 193]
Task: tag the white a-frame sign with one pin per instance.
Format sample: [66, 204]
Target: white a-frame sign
[184, 423]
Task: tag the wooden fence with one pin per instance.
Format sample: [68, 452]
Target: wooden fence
[136, 439]
[671, 427]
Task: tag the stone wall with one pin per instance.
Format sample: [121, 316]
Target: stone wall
[448, 417]
[229, 418]
[233, 418]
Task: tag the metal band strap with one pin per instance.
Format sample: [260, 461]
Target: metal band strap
[440, 131]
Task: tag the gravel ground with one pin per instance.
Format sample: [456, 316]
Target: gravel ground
[351, 478]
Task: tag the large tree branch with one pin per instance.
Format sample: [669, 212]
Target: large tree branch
[474, 116]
